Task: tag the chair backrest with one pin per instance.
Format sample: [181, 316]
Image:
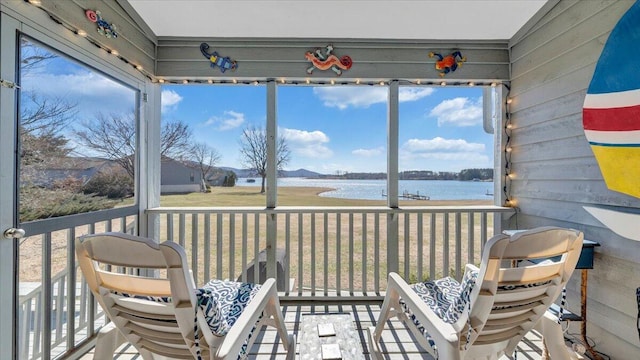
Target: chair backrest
[520, 277]
[146, 289]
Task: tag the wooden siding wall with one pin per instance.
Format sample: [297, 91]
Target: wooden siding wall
[556, 173]
[134, 42]
[284, 58]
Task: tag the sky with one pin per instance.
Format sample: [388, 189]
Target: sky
[337, 129]
[329, 129]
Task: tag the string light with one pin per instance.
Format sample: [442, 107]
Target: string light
[83, 33]
[138, 67]
[509, 175]
[317, 82]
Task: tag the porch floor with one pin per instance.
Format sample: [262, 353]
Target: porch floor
[397, 341]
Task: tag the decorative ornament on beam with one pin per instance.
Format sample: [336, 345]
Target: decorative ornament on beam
[104, 28]
[449, 63]
[223, 63]
[324, 59]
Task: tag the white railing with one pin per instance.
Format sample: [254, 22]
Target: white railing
[327, 254]
[56, 311]
[333, 254]
[30, 305]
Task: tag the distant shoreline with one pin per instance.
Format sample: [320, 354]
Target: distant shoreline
[376, 190]
[239, 196]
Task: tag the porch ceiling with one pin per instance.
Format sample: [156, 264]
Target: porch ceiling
[338, 19]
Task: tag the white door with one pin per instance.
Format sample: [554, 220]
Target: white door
[8, 206]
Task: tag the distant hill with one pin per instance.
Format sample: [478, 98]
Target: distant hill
[300, 173]
[244, 173]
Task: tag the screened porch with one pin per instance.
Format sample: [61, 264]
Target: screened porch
[326, 259]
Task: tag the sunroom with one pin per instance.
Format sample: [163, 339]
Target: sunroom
[530, 62]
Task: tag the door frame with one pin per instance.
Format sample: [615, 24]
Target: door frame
[16, 19]
[8, 198]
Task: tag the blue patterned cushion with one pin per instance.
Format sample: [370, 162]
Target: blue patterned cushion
[222, 302]
[447, 299]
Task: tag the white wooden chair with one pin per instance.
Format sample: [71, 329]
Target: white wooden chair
[148, 292]
[490, 311]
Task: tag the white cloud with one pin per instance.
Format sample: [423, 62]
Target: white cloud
[414, 94]
[170, 100]
[343, 97]
[307, 143]
[439, 144]
[230, 120]
[368, 152]
[92, 92]
[302, 136]
[443, 154]
[458, 112]
[355, 96]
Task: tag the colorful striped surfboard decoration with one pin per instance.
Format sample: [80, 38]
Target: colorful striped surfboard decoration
[611, 112]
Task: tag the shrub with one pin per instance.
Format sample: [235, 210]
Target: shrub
[40, 203]
[70, 184]
[230, 179]
[109, 184]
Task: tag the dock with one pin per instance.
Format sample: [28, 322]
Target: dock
[407, 195]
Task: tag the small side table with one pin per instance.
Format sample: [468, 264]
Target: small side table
[346, 336]
[585, 262]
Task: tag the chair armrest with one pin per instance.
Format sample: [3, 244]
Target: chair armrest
[241, 329]
[438, 329]
[469, 268]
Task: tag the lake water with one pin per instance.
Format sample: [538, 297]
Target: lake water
[373, 189]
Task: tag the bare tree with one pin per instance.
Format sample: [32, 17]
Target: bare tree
[33, 56]
[114, 137]
[253, 151]
[175, 139]
[42, 120]
[205, 156]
